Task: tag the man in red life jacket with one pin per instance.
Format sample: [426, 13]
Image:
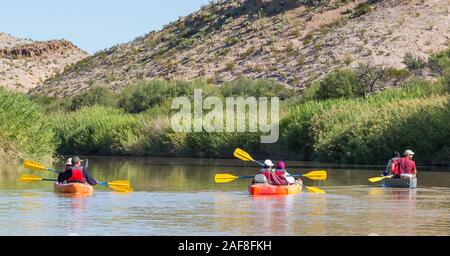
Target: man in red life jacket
[76, 173]
[406, 166]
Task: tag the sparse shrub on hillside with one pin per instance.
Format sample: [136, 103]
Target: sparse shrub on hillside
[230, 66]
[314, 3]
[362, 9]
[348, 59]
[413, 62]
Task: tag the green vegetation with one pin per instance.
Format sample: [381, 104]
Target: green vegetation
[341, 83]
[414, 62]
[361, 9]
[24, 130]
[348, 116]
[366, 130]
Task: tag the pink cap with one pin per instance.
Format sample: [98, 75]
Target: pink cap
[281, 165]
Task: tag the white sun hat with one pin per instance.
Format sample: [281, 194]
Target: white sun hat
[408, 152]
[268, 163]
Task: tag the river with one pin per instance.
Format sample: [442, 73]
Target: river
[179, 197]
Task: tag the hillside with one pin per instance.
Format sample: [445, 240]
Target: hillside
[25, 64]
[293, 42]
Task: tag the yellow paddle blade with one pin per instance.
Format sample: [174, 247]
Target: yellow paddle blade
[224, 178]
[317, 175]
[122, 189]
[315, 190]
[241, 154]
[376, 179]
[34, 165]
[30, 178]
[119, 183]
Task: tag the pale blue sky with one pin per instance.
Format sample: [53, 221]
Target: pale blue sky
[92, 25]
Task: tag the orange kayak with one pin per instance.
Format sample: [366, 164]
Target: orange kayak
[74, 188]
[266, 189]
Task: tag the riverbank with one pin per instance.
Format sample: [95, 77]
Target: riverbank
[338, 120]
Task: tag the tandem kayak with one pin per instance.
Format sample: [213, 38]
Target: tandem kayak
[266, 189]
[74, 188]
[400, 183]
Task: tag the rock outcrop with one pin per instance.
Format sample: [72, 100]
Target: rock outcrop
[25, 64]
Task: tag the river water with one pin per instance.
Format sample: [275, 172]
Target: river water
[179, 197]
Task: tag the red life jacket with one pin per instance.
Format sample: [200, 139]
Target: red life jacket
[77, 175]
[280, 172]
[275, 179]
[395, 162]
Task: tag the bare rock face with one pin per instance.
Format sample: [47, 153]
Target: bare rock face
[25, 64]
[38, 49]
[293, 42]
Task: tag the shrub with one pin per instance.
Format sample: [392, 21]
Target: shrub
[413, 62]
[98, 95]
[314, 3]
[143, 95]
[342, 83]
[244, 87]
[440, 62]
[362, 9]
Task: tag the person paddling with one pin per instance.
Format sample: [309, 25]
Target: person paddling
[281, 171]
[68, 164]
[268, 175]
[76, 173]
[406, 166]
[392, 165]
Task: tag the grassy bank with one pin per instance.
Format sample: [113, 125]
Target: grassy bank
[345, 130]
[25, 132]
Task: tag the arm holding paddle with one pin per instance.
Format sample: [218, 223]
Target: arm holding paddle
[86, 174]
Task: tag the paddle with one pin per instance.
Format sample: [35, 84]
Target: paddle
[118, 188]
[118, 185]
[224, 178]
[376, 179]
[37, 166]
[33, 178]
[244, 156]
[314, 175]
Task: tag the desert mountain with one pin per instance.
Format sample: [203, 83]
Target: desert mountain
[25, 64]
[294, 42]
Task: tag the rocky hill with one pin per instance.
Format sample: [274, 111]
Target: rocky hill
[291, 41]
[25, 64]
